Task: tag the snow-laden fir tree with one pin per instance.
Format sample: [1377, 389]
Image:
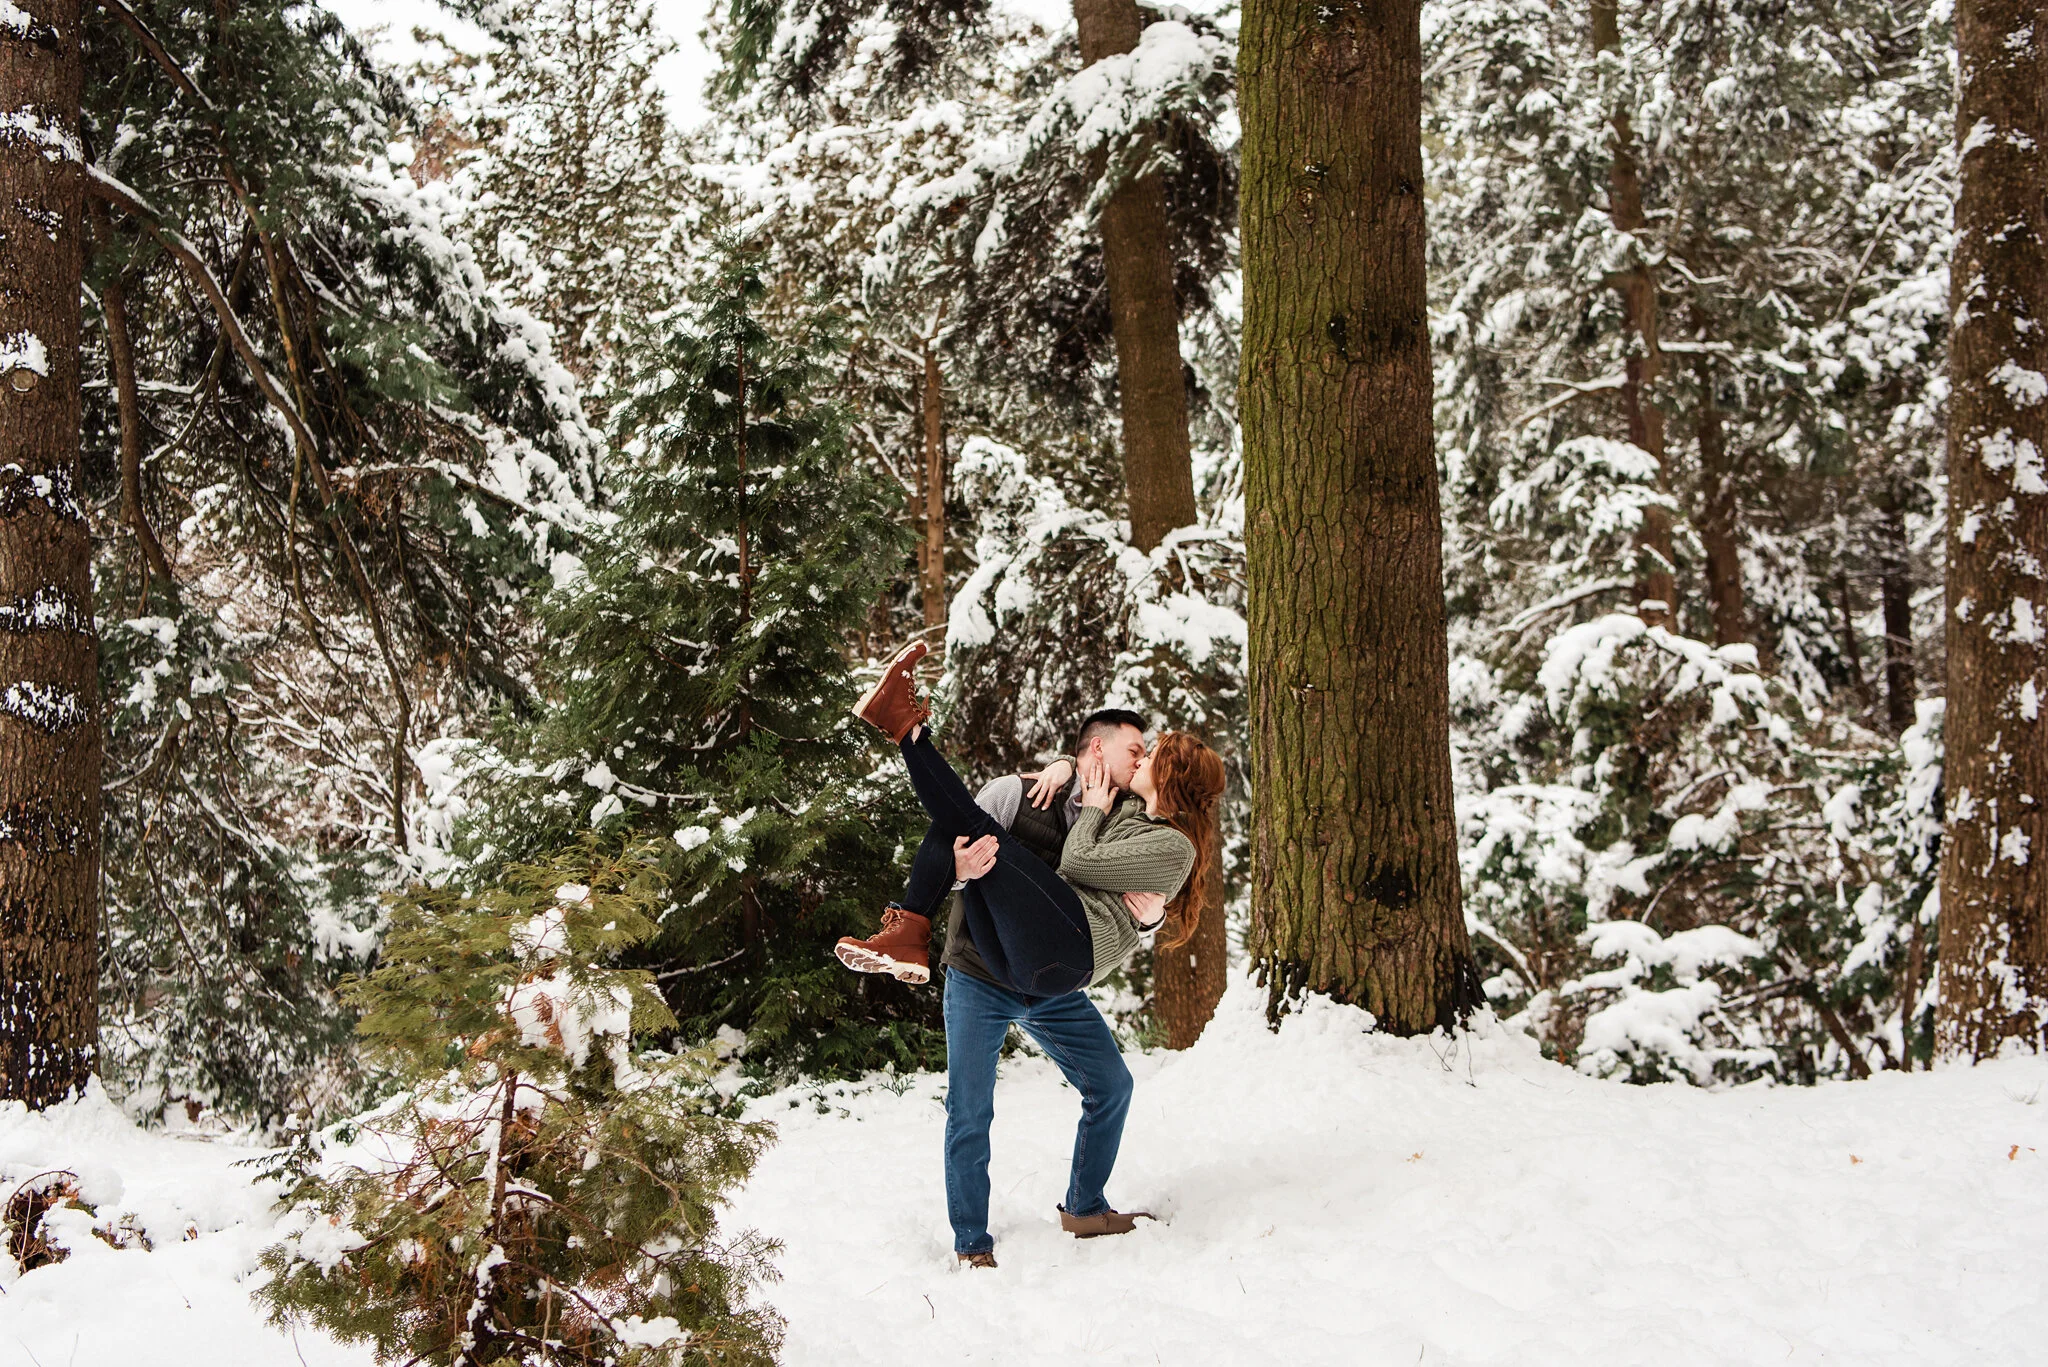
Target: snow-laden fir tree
[697, 689]
[561, 140]
[543, 1189]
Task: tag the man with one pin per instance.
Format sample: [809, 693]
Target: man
[1038, 809]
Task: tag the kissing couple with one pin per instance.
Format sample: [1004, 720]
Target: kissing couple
[1055, 877]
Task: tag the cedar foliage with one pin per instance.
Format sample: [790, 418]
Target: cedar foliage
[542, 1190]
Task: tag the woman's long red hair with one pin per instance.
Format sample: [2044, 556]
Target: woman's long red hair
[1189, 777]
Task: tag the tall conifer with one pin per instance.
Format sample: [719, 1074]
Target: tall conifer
[1355, 884]
[698, 685]
[1994, 878]
[49, 711]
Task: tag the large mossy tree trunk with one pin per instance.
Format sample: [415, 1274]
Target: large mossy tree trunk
[1354, 845]
[1188, 979]
[1994, 874]
[49, 693]
[1137, 258]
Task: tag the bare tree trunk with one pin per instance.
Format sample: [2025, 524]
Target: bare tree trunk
[1137, 258]
[1852, 649]
[1895, 589]
[1994, 873]
[49, 692]
[1354, 847]
[1656, 589]
[1188, 979]
[931, 554]
[1717, 523]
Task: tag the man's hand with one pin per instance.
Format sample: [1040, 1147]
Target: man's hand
[1096, 789]
[971, 859]
[1148, 909]
[1050, 781]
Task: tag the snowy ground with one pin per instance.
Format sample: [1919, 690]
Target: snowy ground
[1328, 1197]
[184, 1304]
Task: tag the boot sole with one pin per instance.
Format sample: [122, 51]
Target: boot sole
[867, 699]
[868, 961]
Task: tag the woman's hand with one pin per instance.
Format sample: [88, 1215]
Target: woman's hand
[1148, 909]
[1096, 789]
[971, 859]
[1050, 780]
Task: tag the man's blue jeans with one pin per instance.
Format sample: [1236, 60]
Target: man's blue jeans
[1074, 1035]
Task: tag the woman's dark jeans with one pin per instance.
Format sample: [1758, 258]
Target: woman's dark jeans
[1027, 922]
[931, 874]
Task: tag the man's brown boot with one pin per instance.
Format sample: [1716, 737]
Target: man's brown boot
[976, 1259]
[901, 947]
[891, 706]
[1102, 1222]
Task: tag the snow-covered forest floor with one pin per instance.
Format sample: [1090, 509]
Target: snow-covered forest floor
[1326, 1196]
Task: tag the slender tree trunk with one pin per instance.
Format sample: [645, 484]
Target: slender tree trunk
[1994, 874]
[1354, 846]
[1717, 523]
[931, 555]
[49, 695]
[1137, 258]
[1895, 589]
[1852, 649]
[1656, 590]
[1188, 979]
[156, 567]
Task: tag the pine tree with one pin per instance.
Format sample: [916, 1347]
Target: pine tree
[1994, 891]
[50, 741]
[1355, 885]
[543, 1191]
[697, 688]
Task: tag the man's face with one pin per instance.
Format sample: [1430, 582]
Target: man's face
[1121, 751]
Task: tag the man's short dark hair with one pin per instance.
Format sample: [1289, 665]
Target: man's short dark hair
[1106, 722]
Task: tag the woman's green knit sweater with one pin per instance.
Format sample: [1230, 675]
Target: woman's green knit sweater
[1108, 854]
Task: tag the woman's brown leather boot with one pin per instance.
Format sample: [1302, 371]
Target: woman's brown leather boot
[891, 706]
[902, 947]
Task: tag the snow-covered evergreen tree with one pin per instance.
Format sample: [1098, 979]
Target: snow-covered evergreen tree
[582, 204]
[697, 688]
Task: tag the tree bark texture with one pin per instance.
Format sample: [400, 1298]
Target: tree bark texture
[1994, 875]
[1717, 523]
[1354, 846]
[1644, 361]
[49, 695]
[1137, 259]
[931, 553]
[1188, 979]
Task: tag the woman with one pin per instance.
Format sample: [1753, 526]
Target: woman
[1043, 931]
